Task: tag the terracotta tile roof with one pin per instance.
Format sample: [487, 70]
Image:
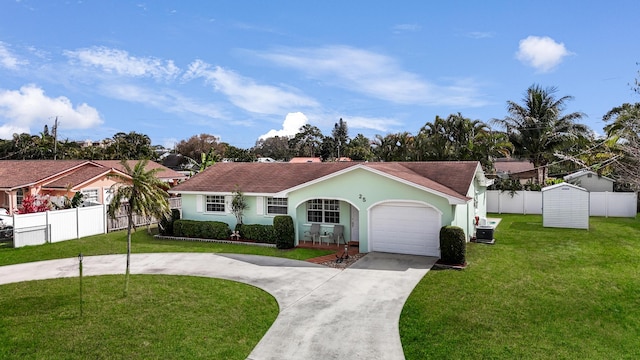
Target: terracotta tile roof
[82, 174]
[22, 173]
[450, 178]
[164, 173]
[18, 173]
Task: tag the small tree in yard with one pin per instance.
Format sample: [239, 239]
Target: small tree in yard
[453, 245]
[238, 206]
[141, 192]
[285, 231]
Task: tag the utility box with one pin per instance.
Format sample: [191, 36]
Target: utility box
[484, 233]
[565, 206]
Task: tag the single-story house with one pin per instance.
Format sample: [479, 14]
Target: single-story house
[396, 207]
[591, 181]
[57, 178]
[517, 169]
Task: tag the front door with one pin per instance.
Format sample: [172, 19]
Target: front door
[355, 224]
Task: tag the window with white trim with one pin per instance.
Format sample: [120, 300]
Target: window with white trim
[323, 211]
[90, 195]
[19, 196]
[215, 203]
[277, 206]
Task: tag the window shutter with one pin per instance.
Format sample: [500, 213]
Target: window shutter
[199, 203]
[260, 205]
[227, 203]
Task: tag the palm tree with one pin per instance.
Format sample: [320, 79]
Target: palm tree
[537, 128]
[142, 193]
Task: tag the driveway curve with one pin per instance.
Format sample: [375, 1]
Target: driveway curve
[325, 313]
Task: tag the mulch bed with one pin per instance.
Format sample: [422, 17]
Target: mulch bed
[344, 263]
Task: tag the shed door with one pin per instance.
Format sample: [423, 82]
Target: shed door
[405, 228]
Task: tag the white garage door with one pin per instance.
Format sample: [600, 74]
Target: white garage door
[405, 228]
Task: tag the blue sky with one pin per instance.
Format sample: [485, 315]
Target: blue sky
[242, 70]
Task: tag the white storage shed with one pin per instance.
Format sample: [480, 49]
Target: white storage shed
[565, 206]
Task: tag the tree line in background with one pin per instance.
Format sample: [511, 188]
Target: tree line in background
[537, 129]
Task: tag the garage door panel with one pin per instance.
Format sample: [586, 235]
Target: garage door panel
[405, 229]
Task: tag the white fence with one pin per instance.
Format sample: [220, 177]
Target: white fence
[530, 202]
[59, 225]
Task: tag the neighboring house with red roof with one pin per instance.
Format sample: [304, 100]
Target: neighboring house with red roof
[394, 207]
[57, 178]
[522, 170]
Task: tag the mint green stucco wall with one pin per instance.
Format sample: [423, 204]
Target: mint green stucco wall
[363, 189]
[189, 206]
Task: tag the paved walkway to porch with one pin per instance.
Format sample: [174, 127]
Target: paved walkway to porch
[339, 251]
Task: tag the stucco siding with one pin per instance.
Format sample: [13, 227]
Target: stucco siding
[362, 189]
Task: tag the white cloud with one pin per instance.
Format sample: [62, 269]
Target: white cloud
[400, 28]
[245, 93]
[166, 100]
[480, 34]
[373, 74]
[121, 63]
[378, 124]
[8, 59]
[20, 109]
[291, 126]
[541, 53]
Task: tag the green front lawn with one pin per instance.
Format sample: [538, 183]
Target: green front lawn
[116, 243]
[163, 317]
[538, 293]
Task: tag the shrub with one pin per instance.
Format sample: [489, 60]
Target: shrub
[285, 233]
[258, 233]
[166, 224]
[201, 229]
[453, 245]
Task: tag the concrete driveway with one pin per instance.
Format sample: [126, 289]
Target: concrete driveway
[325, 313]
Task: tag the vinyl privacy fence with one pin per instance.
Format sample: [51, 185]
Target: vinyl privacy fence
[608, 204]
[59, 225]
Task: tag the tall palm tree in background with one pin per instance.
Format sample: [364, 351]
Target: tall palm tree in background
[538, 128]
[142, 193]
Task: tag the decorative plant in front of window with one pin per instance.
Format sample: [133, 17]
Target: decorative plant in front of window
[34, 204]
[238, 205]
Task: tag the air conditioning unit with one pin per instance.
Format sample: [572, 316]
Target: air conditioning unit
[484, 233]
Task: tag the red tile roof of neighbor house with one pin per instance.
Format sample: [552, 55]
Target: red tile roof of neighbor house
[164, 173]
[19, 173]
[81, 175]
[451, 178]
[512, 166]
[22, 173]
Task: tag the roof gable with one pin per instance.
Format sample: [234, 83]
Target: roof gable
[23, 173]
[164, 173]
[60, 173]
[581, 173]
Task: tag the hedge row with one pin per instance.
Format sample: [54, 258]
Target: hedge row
[258, 233]
[201, 229]
[281, 233]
